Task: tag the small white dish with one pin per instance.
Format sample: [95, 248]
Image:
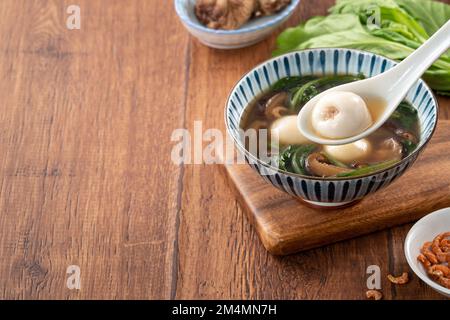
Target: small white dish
[425, 230]
[252, 32]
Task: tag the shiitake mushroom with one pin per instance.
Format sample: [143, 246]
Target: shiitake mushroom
[274, 108]
[318, 164]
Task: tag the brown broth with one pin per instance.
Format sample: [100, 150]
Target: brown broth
[376, 106]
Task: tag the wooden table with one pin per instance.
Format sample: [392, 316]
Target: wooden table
[86, 177]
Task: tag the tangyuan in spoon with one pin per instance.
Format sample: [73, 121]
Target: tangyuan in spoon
[352, 111]
[340, 114]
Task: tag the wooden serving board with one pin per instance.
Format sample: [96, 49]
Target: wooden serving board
[286, 225]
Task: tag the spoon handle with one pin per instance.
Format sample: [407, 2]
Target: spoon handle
[406, 73]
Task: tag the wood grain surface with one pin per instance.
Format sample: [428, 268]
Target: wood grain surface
[287, 225]
[86, 177]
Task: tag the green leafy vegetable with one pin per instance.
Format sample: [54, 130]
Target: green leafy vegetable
[431, 14]
[291, 82]
[409, 146]
[406, 115]
[293, 158]
[304, 94]
[392, 28]
[317, 26]
[385, 12]
[309, 90]
[368, 169]
[284, 160]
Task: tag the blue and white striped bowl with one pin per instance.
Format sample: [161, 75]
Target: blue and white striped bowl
[252, 32]
[329, 192]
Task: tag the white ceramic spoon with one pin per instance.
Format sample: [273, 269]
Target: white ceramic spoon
[392, 86]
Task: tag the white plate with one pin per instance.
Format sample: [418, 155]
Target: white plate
[425, 230]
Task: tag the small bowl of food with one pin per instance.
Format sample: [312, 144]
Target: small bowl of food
[427, 250]
[261, 117]
[231, 24]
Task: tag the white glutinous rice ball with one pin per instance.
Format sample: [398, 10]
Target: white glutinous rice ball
[286, 132]
[340, 114]
[347, 153]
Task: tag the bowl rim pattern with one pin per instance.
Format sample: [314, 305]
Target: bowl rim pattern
[255, 159]
[277, 18]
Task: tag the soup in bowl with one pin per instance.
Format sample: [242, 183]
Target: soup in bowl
[261, 117]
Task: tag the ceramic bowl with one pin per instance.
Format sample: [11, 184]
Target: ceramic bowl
[425, 230]
[252, 32]
[325, 192]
